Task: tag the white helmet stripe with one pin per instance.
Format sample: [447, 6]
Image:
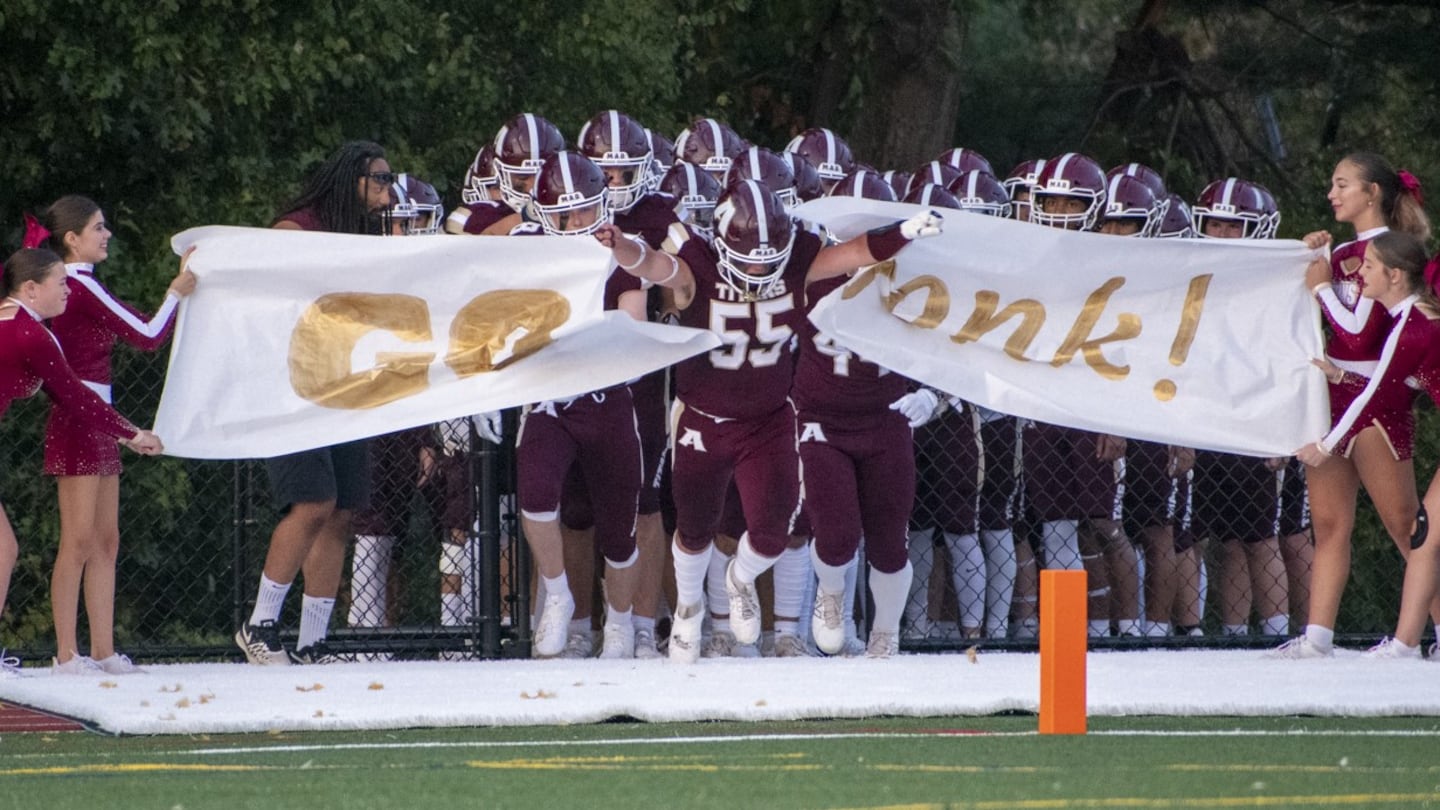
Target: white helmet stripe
[563, 158]
[970, 183]
[830, 147]
[1228, 192]
[614, 118]
[533, 130]
[715, 136]
[753, 158]
[761, 221]
[1061, 164]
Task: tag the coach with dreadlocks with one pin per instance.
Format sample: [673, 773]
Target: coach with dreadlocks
[318, 490]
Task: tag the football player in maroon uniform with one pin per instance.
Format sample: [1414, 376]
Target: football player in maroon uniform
[1070, 474]
[520, 146]
[732, 417]
[596, 431]
[86, 463]
[1235, 496]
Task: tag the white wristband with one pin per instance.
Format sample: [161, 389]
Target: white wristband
[644, 249]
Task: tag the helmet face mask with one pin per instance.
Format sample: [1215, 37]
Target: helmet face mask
[1069, 193]
[1131, 205]
[753, 238]
[979, 191]
[521, 147]
[481, 183]
[695, 193]
[570, 197]
[1235, 208]
[417, 210]
[619, 145]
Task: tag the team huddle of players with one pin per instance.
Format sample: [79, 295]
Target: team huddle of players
[702, 236]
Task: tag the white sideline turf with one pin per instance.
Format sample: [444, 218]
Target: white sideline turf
[214, 698]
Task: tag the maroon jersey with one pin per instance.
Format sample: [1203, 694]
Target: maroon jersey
[650, 219]
[30, 360]
[94, 319]
[832, 381]
[474, 218]
[751, 373]
[1409, 358]
[1358, 325]
[307, 218]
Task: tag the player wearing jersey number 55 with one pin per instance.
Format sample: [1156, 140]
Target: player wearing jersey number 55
[732, 418]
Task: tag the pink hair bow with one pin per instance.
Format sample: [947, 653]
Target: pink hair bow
[35, 233]
[1411, 183]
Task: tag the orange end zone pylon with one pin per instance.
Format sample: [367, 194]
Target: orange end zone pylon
[1063, 639]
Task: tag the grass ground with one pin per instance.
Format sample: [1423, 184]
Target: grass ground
[943, 762]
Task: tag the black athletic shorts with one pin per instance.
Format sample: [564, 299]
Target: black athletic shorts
[340, 473]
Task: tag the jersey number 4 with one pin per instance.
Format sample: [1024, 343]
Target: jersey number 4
[769, 336]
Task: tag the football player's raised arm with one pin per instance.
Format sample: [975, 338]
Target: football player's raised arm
[874, 246]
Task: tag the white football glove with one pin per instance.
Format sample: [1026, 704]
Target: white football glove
[923, 224]
[918, 407]
[489, 426]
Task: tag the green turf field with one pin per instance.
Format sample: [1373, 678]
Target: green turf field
[989, 762]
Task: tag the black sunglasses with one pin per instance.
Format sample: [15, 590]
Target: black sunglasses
[384, 178]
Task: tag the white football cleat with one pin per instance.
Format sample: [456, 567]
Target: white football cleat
[685, 629]
[645, 648]
[619, 641]
[1390, 647]
[827, 623]
[790, 645]
[882, 645]
[744, 608]
[552, 631]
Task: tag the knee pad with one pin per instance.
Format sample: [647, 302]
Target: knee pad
[1422, 528]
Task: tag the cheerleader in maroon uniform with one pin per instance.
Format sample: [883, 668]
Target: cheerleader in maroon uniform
[86, 464]
[35, 288]
[1393, 275]
[1367, 193]
[732, 418]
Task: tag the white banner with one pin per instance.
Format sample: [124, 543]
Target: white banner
[1203, 343]
[294, 340]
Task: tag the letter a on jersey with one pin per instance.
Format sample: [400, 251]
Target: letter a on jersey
[691, 438]
[812, 433]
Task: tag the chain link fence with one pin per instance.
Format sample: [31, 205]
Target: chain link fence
[1181, 548]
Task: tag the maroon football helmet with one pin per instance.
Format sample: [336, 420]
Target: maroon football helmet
[775, 172]
[753, 236]
[569, 197]
[979, 191]
[619, 147]
[933, 196]
[966, 160]
[1149, 177]
[663, 150]
[1127, 197]
[1071, 176]
[481, 177]
[827, 152]
[1019, 184]
[417, 209]
[520, 147]
[866, 184]
[709, 144]
[1176, 224]
[1269, 204]
[695, 193]
[1235, 200]
[807, 180]
[899, 181]
[934, 172]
